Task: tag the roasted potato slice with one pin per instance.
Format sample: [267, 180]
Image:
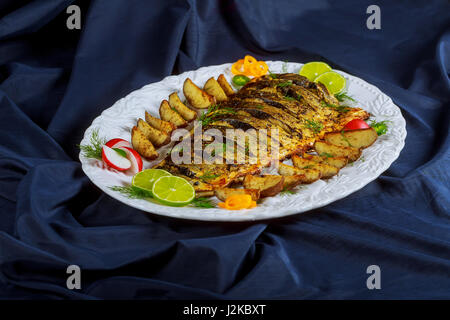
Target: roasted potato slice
[212, 87]
[159, 124]
[185, 112]
[168, 114]
[338, 162]
[361, 138]
[197, 97]
[142, 145]
[326, 171]
[327, 149]
[226, 87]
[310, 175]
[293, 181]
[268, 185]
[157, 137]
[223, 193]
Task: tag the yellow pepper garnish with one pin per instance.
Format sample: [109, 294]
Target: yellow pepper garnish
[249, 66]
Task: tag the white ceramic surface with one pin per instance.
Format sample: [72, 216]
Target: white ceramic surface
[117, 121]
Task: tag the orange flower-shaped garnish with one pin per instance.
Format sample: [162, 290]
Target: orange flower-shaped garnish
[238, 202]
[249, 66]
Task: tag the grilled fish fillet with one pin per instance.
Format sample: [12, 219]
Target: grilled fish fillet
[301, 110]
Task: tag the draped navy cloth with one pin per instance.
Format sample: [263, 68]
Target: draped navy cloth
[55, 81]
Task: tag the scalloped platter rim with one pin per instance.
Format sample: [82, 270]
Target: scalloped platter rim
[117, 121]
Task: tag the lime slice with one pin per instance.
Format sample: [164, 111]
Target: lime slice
[312, 70]
[144, 180]
[334, 82]
[173, 191]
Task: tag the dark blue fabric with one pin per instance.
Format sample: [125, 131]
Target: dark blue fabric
[54, 81]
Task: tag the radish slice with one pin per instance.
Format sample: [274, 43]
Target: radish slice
[114, 159]
[117, 143]
[135, 159]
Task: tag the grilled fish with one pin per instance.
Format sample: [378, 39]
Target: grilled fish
[302, 111]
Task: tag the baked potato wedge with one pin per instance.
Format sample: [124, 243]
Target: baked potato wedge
[268, 185]
[361, 138]
[309, 175]
[159, 124]
[326, 171]
[327, 149]
[213, 88]
[226, 87]
[338, 162]
[185, 112]
[157, 138]
[291, 182]
[142, 145]
[223, 193]
[168, 114]
[196, 97]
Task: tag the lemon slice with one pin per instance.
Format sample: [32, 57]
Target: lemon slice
[144, 180]
[173, 191]
[312, 70]
[334, 82]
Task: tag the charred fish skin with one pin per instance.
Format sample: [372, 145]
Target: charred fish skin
[302, 111]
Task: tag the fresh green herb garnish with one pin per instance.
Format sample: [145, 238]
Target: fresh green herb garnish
[345, 138]
[259, 107]
[202, 203]
[362, 159]
[94, 150]
[284, 68]
[273, 75]
[208, 176]
[132, 192]
[337, 108]
[214, 111]
[290, 98]
[287, 192]
[326, 154]
[308, 166]
[343, 96]
[299, 97]
[380, 127]
[316, 127]
[285, 84]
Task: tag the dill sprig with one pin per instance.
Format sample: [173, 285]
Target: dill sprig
[345, 139]
[208, 176]
[132, 192]
[94, 150]
[285, 84]
[214, 111]
[337, 108]
[289, 98]
[202, 203]
[326, 155]
[273, 75]
[287, 192]
[343, 96]
[316, 127]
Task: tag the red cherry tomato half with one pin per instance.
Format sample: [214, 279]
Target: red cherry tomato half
[356, 124]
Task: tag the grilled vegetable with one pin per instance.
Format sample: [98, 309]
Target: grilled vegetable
[181, 108]
[326, 171]
[168, 114]
[159, 124]
[268, 186]
[361, 138]
[326, 148]
[213, 88]
[142, 145]
[197, 97]
[309, 175]
[223, 193]
[225, 85]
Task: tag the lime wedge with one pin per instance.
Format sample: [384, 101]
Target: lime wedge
[312, 70]
[144, 180]
[173, 191]
[334, 82]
